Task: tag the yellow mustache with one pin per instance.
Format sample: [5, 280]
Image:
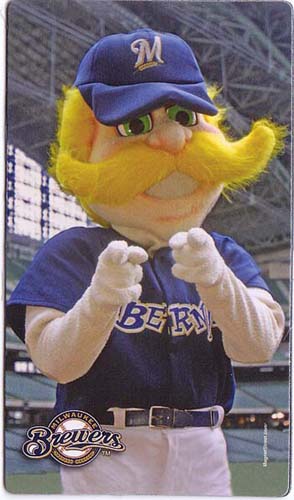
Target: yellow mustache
[208, 158]
[213, 159]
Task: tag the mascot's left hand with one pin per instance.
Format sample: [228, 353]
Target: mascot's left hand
[197, 259]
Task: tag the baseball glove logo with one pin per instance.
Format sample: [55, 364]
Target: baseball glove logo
[72, 438]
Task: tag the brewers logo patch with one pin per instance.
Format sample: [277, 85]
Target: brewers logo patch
[72, 438]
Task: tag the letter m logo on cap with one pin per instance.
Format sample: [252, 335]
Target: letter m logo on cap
[147, 56]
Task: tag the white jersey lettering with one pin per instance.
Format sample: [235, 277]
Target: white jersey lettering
[183, 319]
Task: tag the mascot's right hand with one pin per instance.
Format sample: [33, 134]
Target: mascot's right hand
[118, 274]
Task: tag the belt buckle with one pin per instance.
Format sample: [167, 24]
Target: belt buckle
[152, 417]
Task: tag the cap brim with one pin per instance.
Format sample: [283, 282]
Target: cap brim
[113, 105]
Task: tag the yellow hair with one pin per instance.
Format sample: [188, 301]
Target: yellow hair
[76, 125]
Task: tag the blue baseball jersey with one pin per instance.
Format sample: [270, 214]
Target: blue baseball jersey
[164, 349]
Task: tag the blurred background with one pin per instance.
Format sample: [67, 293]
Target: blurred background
[243, 47]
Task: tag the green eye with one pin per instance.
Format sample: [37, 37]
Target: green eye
[184, 116]
[136, 126]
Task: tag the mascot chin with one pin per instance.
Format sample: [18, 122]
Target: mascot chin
[139, 317]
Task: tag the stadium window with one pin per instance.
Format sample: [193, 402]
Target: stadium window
[33, 209]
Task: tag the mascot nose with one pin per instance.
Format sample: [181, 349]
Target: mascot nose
[171, 137]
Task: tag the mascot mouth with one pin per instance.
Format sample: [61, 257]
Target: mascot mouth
[174, 186]
[178, 197]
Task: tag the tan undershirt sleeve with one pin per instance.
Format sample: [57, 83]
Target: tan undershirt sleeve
[252, 323]
[64, 346]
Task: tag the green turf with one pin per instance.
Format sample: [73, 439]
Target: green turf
[33, 483]
[252, 479]
[248, 479]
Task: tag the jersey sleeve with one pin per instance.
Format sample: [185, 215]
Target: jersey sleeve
[240, 262]
[57, 277]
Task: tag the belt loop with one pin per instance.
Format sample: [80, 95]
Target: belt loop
[119, 417]
[221, 414]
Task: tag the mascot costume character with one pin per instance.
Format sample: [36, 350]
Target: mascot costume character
[139, 317]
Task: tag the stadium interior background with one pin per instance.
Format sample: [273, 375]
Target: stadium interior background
[245, 48]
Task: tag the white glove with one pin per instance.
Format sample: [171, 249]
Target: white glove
[197, 258]
[118, 274]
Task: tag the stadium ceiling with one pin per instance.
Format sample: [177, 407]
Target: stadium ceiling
[244, 47]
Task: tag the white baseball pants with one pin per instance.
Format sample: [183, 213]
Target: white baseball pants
[157, 461]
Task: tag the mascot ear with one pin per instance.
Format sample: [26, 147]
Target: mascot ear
[76, 126]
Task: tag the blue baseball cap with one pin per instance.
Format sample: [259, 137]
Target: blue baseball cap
[124, 76]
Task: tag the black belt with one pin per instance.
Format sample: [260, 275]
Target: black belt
[160, 416]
